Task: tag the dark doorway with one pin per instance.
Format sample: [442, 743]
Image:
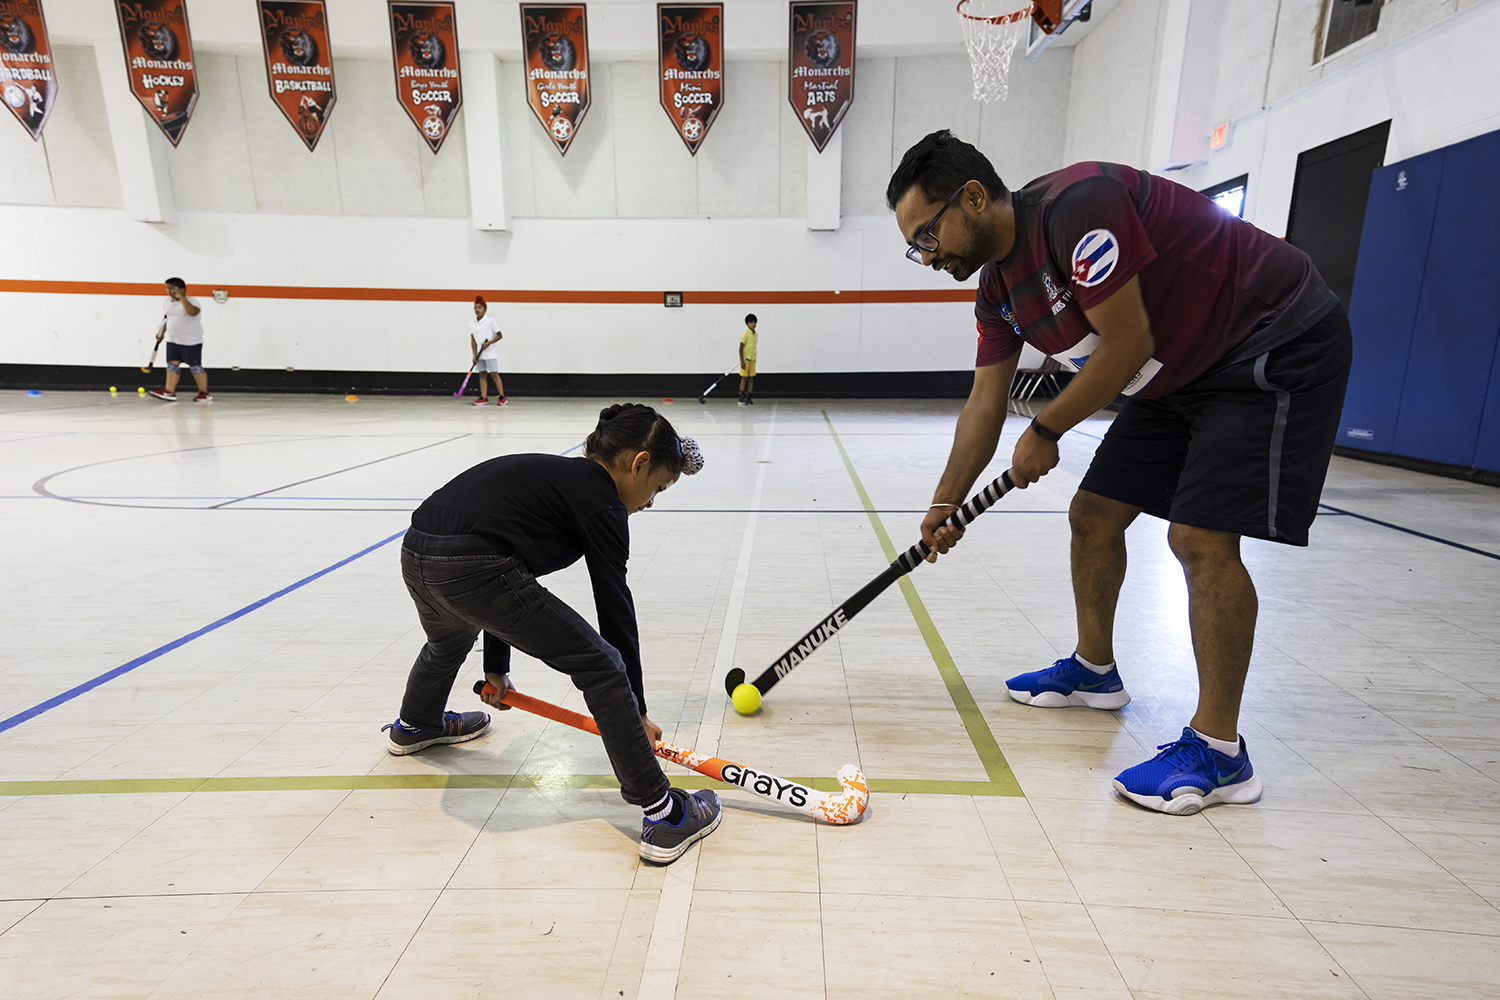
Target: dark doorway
[1328, 203]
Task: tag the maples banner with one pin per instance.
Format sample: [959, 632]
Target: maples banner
[690, 54]
[27, 80]
[556, 43]
[424, 38]
[159, 61]
[821, 62]
[299, 63]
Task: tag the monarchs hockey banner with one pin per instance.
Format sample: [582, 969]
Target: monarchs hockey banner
[299, 63]
[159, 61]
[424, 38]
[28, 81]
[690, 55]
[556, 43]
[821, 63]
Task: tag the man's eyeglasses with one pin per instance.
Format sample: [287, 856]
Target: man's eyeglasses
[925, 242]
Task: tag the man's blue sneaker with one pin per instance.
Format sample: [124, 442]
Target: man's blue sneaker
[663, 843]
[1188, 775]
[458, 727]
[1068, 682]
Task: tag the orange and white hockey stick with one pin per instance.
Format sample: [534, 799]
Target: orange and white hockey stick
[845, 807]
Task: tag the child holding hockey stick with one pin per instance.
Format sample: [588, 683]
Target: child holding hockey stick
[470, 561]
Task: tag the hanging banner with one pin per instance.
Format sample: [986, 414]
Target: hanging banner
[27, 80]
[299, 63]
[159, 61]
[556, 43]
[821, 62]
[690, 54]
[424, 38]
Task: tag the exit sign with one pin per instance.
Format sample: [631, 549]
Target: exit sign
[1219, 137]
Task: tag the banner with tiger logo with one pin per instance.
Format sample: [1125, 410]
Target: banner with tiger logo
[690, 55]
[159, 61]
[28, 81]
[555, 41]
[299, 63]
[820, 60]
[424, 39]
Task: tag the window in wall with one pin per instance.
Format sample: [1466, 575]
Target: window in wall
[1347, 21]
[1230, 196]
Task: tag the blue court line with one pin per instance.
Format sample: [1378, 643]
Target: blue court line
[1412, 531]
[125, 668]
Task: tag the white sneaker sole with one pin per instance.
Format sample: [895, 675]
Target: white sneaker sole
[1190, 802]
[393, 747]
[653, 855]
[1085, 699]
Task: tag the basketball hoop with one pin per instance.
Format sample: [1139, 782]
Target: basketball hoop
[992, 29]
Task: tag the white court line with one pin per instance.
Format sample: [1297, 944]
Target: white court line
[712, 726]
[669, 931]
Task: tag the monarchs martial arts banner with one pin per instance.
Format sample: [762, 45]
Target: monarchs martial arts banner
[690, 55]
[299, 63]
[556, 44]
[424, 39]
[159, 61]
[821, 62]
[27, 80]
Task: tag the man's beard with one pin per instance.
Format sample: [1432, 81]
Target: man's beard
[973, 257]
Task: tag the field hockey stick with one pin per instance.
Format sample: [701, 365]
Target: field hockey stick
[904, 564]
[704, 398]
[461, 388]
[152, 363]
[840, 809]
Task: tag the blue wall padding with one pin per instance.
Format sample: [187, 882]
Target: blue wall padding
[1383, 306]
[1458, 312]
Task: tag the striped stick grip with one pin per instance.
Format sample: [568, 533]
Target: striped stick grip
[961, 518]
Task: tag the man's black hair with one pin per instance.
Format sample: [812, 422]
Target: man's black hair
[176, 283]
[940, 164]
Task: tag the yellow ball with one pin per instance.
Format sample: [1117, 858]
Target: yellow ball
[112, 389]
[141, 389]
[746, 699]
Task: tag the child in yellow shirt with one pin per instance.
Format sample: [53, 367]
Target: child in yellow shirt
[747, 362]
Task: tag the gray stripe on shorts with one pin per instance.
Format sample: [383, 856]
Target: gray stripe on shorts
[1278, 434]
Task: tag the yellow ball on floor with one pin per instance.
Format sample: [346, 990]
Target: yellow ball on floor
[746, 699]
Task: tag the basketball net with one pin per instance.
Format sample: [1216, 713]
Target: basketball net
[992, 29]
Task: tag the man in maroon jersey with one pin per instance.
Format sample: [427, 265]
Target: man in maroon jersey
[1234, 356]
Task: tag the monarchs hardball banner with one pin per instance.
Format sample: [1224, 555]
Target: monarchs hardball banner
[556, 41]
[424, 37]
[821, 63]
[159, 61]
[27, 80]
[299, 64]
[690, 53]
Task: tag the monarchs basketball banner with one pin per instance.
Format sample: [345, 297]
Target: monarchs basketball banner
[299, 63]
[27, 80]
[690, 54]
[424, 38]
[159, 61]
[556, 43]
[821, 63]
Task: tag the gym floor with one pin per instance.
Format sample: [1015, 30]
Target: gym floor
[214, 813]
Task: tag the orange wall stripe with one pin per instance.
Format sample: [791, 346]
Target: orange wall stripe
[850, 297]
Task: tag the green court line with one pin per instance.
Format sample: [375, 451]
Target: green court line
[979, 732]
[352, 782]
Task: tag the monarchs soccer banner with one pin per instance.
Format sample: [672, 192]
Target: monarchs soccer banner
[556, 44]
[299, 63]
[27, 80]
[821, 63]
[424, 39]
[690, 55]
[159, 61]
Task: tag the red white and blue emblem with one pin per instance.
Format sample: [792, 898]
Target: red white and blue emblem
[1095, 257]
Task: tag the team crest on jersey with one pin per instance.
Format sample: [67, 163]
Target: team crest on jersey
[1009, 315]
[1095, 257]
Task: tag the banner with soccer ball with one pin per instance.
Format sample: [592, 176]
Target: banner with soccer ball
[424, 40]
[690, 55]
[556, 45]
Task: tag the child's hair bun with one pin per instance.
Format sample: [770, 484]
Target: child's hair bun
[692, 456]
[610, 412]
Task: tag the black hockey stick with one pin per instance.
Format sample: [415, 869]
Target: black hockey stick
[904, 564]
[704, 398]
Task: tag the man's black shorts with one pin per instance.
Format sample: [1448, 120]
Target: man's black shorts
[1242, 449]
[185, 354]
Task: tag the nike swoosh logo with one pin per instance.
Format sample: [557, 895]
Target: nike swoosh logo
[1225, 779]
[1094, 686]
